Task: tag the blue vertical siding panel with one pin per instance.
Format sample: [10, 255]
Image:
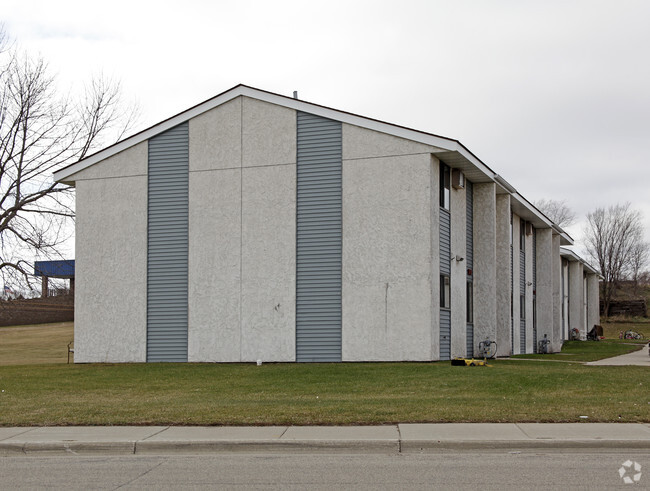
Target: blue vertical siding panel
[445, 268]
[470, 340]
[167, 245]
[319, 239]
[445, 242]
[534, 259]
[469, 254]
[445, 334]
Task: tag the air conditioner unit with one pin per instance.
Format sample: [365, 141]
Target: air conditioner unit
[529, 228]
[457, 179]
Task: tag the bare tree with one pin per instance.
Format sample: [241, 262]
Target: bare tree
[557, 210]
[638, 260]
[644, 278]
[40, 132]
[612, 235]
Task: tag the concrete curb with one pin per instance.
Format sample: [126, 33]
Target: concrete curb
[11, 449]
[388, 439]
[312, 446]
[67, 448]
[560, 445]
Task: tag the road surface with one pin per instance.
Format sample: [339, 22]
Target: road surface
[533, 469]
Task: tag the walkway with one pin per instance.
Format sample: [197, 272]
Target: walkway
[640, 358]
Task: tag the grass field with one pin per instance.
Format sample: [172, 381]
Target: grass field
[613, 326]
[207, 394]
[44, 343]
[351, 393]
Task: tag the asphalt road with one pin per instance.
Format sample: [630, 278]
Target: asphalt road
[449, 470]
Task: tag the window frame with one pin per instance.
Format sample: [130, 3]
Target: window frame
[445, 291]
[469, 295]
[445, 186]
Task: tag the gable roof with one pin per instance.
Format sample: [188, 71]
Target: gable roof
[450, 151]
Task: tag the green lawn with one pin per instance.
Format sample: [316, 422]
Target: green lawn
[372, 393]
[614, 326]
[348, 393]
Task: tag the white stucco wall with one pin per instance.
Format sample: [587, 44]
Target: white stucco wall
[216, 138]
[111, 260]
[566, 321]
[458, 209]
[516, 287]
[585, 313]
[242, 233]
[214, 270]
[214, 331]
[485, 262]
[529, 293]
[556, 265]
[564, 296]
[434, 266]
[362, 143]
[268, 302]
[503, 274]
[387, 286]
[268, 291]
[268, 134]
[593, 298]
[545, 272]
[576, 298]
[129, 163]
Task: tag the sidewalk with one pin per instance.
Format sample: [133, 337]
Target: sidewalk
[639, 358]
[402, 438]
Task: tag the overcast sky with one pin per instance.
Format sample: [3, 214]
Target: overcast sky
[554, 95]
